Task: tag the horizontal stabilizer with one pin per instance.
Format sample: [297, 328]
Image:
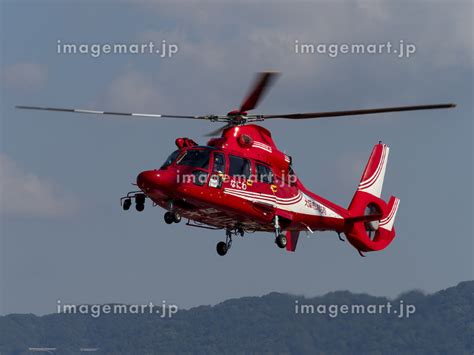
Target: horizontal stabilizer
[365, 218]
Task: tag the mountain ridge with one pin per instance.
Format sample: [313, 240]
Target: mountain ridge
[442, 323]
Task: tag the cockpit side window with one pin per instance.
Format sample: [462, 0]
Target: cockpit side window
[239, 166]
[198, 158]
[170, 159]
[264, 174]
[219, 163]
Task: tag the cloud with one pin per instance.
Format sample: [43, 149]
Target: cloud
[444, 34]
[262, 37]
[24, 76]
[132, 90]
[25, 194]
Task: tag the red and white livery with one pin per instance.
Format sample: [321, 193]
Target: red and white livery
[240, 182]
[223, 187]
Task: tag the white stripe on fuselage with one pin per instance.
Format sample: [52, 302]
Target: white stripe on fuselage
[260, 145]
[300, 203]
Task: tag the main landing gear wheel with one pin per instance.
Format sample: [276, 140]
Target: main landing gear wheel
[223, 247]
[280, 240]
[172, 217]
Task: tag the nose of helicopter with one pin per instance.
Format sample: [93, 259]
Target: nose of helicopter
[153, 180]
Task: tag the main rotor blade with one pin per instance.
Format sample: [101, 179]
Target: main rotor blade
[357, 112]
[260, 87]
[94, 112]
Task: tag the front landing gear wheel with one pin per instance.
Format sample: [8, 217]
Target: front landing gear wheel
[221, 248]
[176, 217]
[280, 240]
[169, 218]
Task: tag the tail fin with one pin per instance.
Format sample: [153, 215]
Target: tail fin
[365, 233]
[374, 173]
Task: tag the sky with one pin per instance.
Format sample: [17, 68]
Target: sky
[63, 233]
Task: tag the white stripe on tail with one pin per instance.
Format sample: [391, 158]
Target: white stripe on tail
[387, 222]
[374, 173]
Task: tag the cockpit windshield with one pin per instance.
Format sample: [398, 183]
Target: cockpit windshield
[198, 158]
[170, 159]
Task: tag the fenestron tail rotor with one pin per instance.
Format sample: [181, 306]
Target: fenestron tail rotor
[261, 85]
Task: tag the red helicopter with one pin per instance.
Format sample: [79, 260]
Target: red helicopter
[241, 183]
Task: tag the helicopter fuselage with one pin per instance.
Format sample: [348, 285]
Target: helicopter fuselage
[238, 180]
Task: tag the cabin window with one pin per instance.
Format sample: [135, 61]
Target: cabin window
[198, 158]
[219, 163]
[170, 159]
[239, 166]
[200, 177]
[264, 174]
